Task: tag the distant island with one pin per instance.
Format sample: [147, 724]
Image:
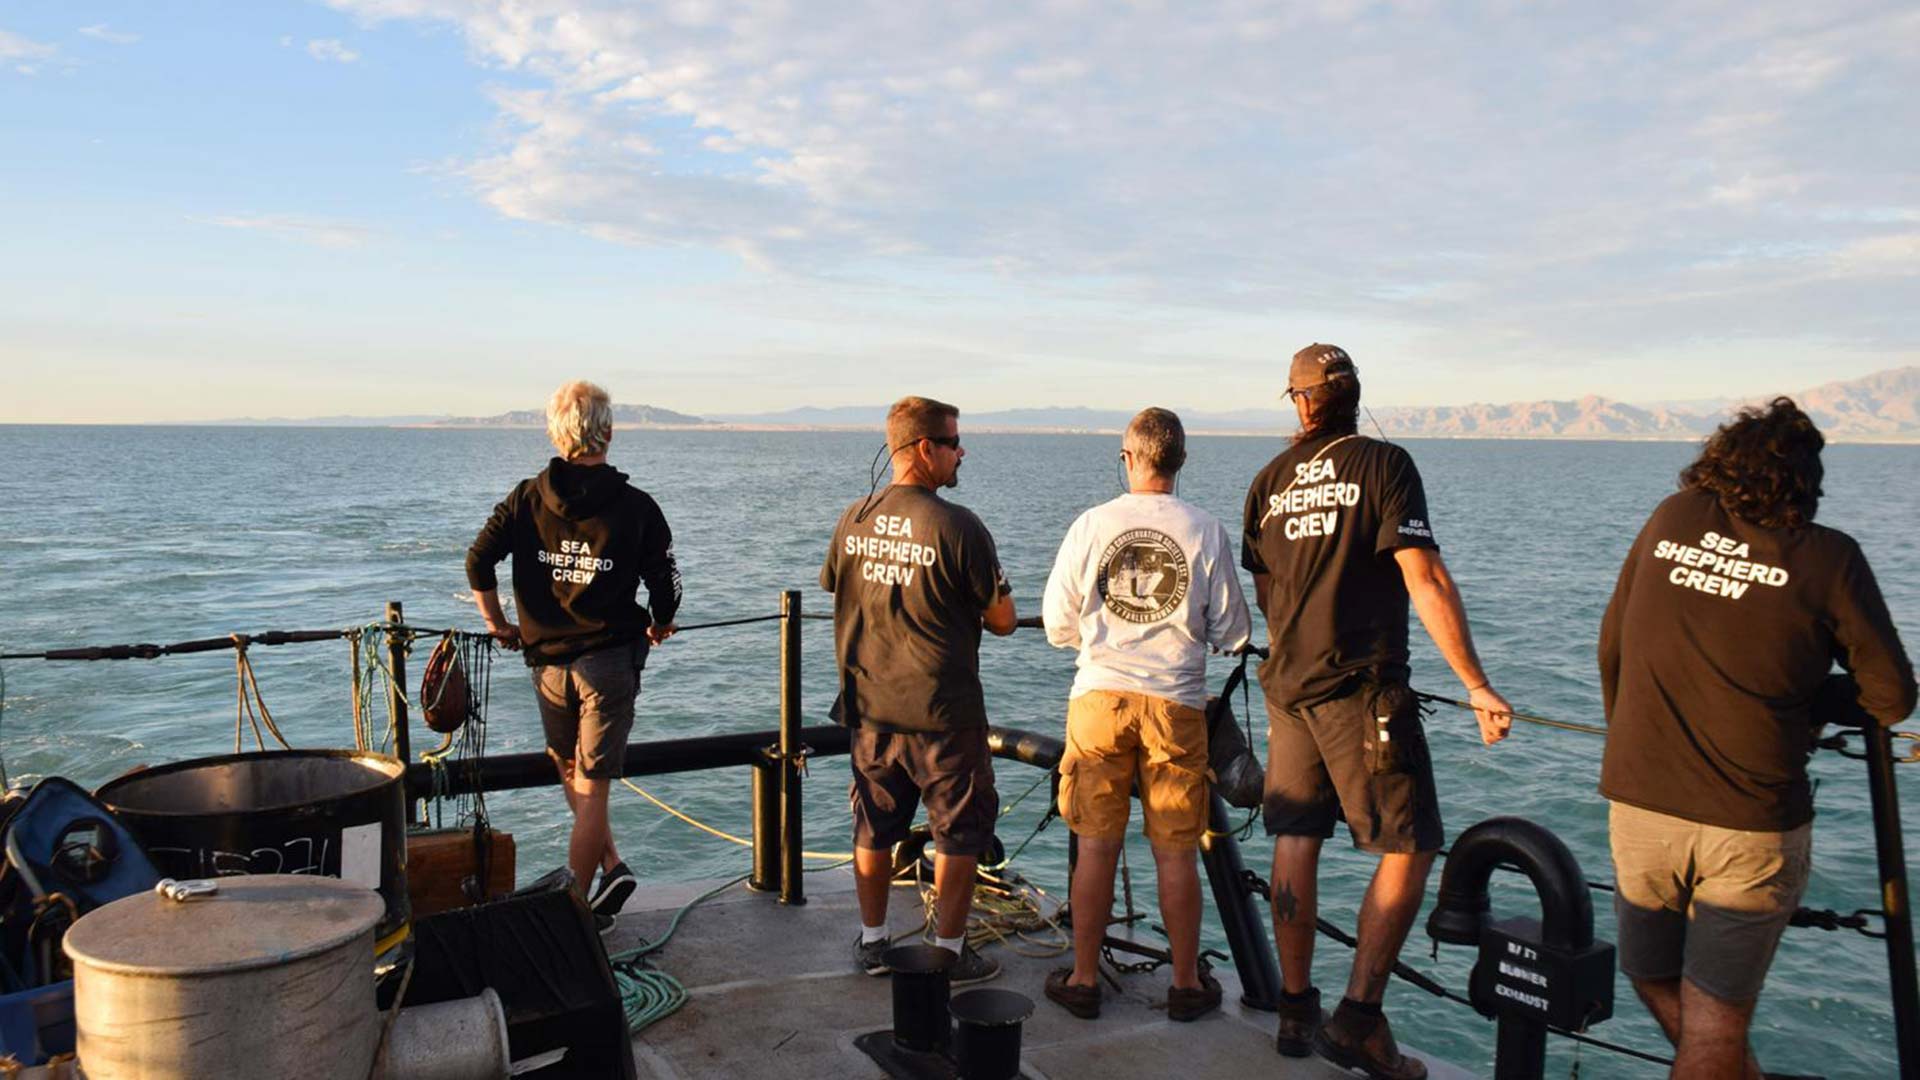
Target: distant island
[1882, 407]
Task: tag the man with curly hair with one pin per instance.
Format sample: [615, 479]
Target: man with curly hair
[1730, 612]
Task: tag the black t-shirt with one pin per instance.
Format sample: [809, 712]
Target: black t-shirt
[1323, 519]
[910, 581]
[583, 541]
[1718, 638]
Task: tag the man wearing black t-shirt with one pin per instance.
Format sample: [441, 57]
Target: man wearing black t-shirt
[1338, 540]
[914, 578]
[1715, 653]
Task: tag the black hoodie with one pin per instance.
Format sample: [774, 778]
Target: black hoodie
[582, 540]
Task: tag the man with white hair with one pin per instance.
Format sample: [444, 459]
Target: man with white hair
[583, 541]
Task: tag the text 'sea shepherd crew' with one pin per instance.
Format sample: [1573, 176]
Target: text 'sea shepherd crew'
[910, 579]
[583, 541]
[1322, 521]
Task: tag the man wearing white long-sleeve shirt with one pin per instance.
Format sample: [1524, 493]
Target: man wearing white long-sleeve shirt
[1142, 587]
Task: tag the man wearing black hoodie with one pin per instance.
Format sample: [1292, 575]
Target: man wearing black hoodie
[583, 540]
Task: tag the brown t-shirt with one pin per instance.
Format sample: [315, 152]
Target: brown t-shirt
[1323, 520]
[910, 580]
[1717, 641]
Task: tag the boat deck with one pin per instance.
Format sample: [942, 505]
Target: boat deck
[772, 992]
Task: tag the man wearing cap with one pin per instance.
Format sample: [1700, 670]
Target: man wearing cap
[1338, 540]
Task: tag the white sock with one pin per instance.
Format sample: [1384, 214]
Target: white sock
[871, 934]
[952, 944]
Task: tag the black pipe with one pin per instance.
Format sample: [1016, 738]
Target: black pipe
[505, 772]
[792, 842]
[1253, 957]
[397, 697]
[766, 823]
[1460, 908]
[1888, 846]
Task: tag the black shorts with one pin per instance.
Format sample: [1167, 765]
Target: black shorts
[951, 771]
[1317, 771]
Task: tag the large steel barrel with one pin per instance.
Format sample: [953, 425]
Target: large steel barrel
[271, 975]
[332, 813]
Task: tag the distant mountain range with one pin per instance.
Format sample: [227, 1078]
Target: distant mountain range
[1882, 407]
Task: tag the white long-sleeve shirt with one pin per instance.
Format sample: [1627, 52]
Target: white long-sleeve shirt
[1142, 586]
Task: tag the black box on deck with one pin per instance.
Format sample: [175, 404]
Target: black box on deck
[540, 952]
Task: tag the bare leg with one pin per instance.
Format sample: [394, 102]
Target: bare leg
[589, 843]
[1296, 869]
[1179, 879]
[1713, 1037]
[1662, 999]
[1092, 899]
[1387, 913]
[872, 877]
[953, 876]
[609, 858]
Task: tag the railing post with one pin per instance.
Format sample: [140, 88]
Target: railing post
[792, 889]
[397, 693]
[766, 822]
[1901, 977]
[1253, 957]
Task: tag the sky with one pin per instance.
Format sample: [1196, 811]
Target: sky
[380, 207]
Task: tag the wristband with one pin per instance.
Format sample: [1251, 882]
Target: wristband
[1482, 686]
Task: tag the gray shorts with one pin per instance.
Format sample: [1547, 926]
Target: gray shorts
[586, 707]
[1701, 901]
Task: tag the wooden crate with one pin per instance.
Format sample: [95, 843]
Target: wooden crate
[438, 860]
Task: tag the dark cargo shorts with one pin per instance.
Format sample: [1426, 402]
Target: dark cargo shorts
[586, 707]
[1317, 772]
[951, 771]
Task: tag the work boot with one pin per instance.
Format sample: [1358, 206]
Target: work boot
[1298, 1021]
[1356, 1040]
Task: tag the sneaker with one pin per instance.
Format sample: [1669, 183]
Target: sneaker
[972, 968]
[603, 923]
[1191, 1004]
[1355, 1040]
[615, 886]
[870, 956]
[1081, 1001]
[1298, 1021]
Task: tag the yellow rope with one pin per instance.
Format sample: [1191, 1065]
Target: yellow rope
[711, 831]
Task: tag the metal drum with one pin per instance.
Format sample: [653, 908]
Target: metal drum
[270, 975]
[333, 813]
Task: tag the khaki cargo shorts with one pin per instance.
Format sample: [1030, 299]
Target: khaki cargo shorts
[1701, 901]
[586, 707]
[1115, 737]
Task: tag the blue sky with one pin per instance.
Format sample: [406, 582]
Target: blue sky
[399, 206]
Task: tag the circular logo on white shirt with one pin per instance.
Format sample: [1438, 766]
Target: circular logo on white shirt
[1143, 576]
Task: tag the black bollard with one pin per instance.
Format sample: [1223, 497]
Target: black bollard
[986, 1038]
[920, 995]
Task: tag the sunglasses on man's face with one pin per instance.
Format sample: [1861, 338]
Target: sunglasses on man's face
[951, 442]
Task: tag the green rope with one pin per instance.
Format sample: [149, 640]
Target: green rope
[647, 994]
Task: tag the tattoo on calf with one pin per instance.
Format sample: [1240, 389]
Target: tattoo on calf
[1285, 903]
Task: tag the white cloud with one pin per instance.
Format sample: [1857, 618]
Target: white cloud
[101, 32]
[311, 231]
[23, 54]
[332, 51]
[1547, 178]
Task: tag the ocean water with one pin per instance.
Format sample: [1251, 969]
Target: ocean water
[142, 534]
